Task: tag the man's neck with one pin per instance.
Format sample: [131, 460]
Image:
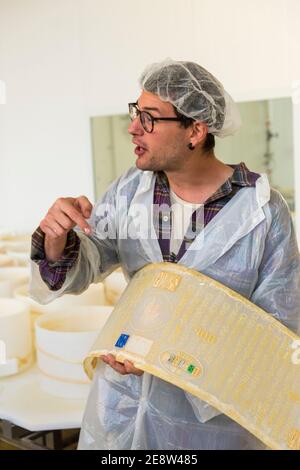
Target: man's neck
[199, 178]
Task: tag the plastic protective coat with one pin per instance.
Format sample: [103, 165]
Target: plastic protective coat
[249, 246]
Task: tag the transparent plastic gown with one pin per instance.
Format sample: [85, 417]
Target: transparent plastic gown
[249, 246]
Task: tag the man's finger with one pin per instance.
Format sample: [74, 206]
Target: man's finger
[63, 220]
[126, 368]
[84, 205]
[130, 369]
[117, 366]
[75, 215]
[47, 230]
[55, 226]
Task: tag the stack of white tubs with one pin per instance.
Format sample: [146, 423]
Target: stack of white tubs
[16, 353]
[62, 340]
[13, 272]
[60, 334]
[65, 330]
[15, 337]
[14, 246]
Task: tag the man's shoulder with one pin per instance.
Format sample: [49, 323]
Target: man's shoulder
[126, 184]
[277, 200]
[132, 173]
[278, 206]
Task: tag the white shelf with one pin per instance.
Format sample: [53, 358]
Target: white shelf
[24, 402]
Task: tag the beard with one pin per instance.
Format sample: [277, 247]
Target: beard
[162, 163]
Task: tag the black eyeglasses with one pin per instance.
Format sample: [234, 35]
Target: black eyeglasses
[147, 120]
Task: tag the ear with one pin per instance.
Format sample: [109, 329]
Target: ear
[198, 133]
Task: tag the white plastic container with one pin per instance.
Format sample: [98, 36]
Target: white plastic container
[16, 276]
[5, 261]
[19, 257]
[6, 289]
[14, 235]
[15, 336]
[15, 245]
[63, 339]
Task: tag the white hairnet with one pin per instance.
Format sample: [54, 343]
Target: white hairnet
[195, 93]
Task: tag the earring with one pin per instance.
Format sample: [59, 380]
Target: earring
[190, 146]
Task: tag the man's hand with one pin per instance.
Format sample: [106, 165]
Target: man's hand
[123, 369]
[63, 216]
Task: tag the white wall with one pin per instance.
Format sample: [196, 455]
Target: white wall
[46, 148]
[66, 60]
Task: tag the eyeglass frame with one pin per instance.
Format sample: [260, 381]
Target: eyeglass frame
[152, 118]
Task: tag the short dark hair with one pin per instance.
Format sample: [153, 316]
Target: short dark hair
[185, 122]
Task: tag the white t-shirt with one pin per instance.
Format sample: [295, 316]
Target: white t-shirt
[181, 216]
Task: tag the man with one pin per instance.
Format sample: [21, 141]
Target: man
[247, 243]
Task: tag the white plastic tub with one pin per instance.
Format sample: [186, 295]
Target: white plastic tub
[15, 336]
[63, 339]
[5, 261]
[15, 275]
[19, 257]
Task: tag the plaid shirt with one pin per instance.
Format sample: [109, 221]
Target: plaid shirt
[54, 274]
[241, 177]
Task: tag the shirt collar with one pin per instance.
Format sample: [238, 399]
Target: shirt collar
[240, 177]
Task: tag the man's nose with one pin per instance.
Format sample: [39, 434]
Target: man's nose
[135, 127]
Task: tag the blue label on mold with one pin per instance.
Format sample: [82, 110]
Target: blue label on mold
[122, 341]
